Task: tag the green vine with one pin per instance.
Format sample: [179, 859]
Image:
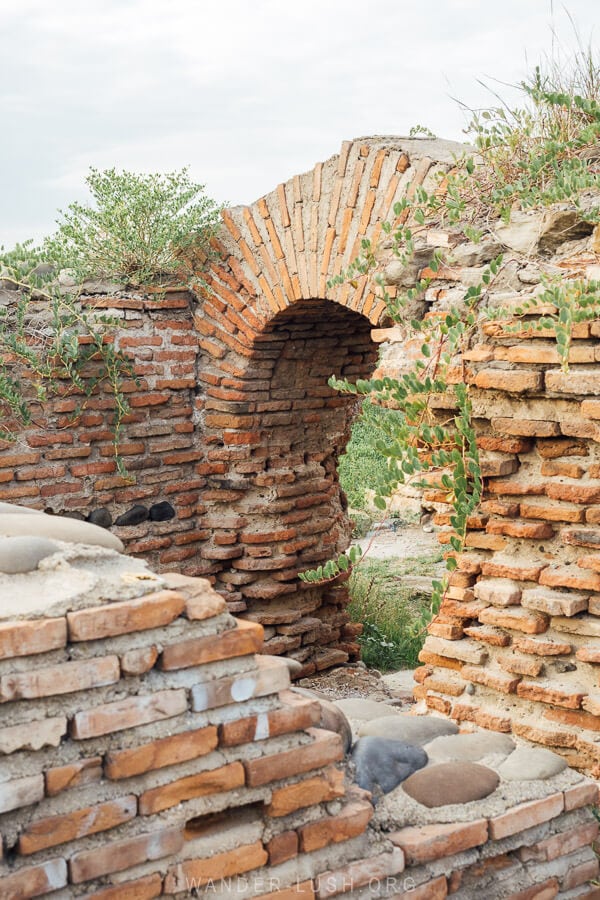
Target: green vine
[529, 158]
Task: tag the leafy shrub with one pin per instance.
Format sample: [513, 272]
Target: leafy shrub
[140, 227]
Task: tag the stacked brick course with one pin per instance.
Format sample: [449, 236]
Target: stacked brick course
[147, 752]
[232, 421]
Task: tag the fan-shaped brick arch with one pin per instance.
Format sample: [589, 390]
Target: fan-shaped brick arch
[272, 331]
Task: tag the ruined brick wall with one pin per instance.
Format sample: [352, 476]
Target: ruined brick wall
[146, 751]
[233, 423]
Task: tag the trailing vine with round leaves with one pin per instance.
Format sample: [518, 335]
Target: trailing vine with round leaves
[51, 345]
[530, 158]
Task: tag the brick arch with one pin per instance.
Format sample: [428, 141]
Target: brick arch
[272, 331]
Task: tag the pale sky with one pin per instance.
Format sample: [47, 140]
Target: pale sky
[245, 92]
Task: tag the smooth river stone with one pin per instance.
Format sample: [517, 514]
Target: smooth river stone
[22, 554]
[381, 763]
[58, 528]
[453, 782]
[365, 710]
[531, 763]
[10, 509]
[469, 747]
[411, 729]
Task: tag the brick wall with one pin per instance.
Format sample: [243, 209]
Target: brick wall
[146, 751]
[232, 421]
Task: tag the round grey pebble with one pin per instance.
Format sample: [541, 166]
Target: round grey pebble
[531, 763]
[469, 747]
[412, 729]
[382, 764]
[23, 554]
[364, 710]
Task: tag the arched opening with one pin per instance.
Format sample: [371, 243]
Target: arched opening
[274, 431]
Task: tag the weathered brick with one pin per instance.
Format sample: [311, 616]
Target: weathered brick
[329, 785]
[521, 665]
[560, 844]
[214, 781]
[55, 830]
[34, 881]
[62, 679]
[374, 870]
[272, 675]
[423, 843]
[522, 427]
[556, 603]
[466, 712]
[574, 493]
[551, 468]
[139, 661]
[246, 638]
[525, 815]
[542, 647]
[495, 680]
[498, 591]
[128, 713]
[505, 567]
[33, 735]
[145, 888]
[84, 771]
[282, 847]
[553, 513]
[512, 380]
[515, 618]
[351, 822]
[28, 638]
[21, 792]
[325, 748]
[152, 611]
[303, 889]
[459, 650]
[270, 724]
[581, 795]
[570, 577]
[168, 751]
[221, 865]
[117, 856]
[545, 692]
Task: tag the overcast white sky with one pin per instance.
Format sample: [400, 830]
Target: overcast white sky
[245, 92]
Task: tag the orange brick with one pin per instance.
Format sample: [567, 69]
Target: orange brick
[351, 822]
[545, 693]
[465, 712]
[137, 662]
[522, 427]
[516, 618]
[525, 815]
[513, 381]
[561, 447]
[221, 865]
[553, 468]
[554, 513]
[303, 889]
[545, 890]
[117, 856]
[270, 724]
[521, 665]
[167, 751]
[319, 789]
[375, 869]
[580, 874]
[560, 844]
[246, 638]
[433, 659]
[122, 714]
[568, 576]
[574, 493]
[27, 638]
[61, 778]
[494, 637]
[504, 445]
[215, 781]
[575, 718]
[530, 530]
[581, 795]
[34, 881]
[541, 647]
[282, 847]
[549, 738]
[151, 611]
[62, 679]
[495, 680]
[518, 572]
[326, 748]
[141, 889]
[430, 842]
[55, 830]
